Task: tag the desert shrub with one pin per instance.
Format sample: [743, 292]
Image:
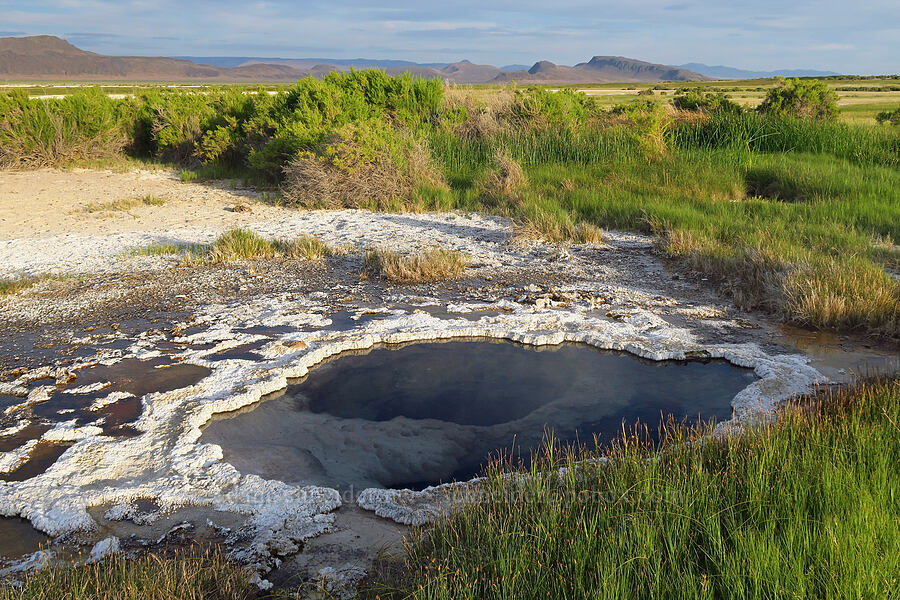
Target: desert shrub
[503, 180]
[803, 99]
[474, 119]
[561, 107]
[708, 102]
[646, 123]
[38, 133]
[168, 124]
[891, 117]
[304, 117]
[366, 163]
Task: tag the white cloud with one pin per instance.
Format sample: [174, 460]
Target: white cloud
[833, 46]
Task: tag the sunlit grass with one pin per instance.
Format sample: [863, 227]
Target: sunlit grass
[806, 507]
[432, 264]
[186, 576]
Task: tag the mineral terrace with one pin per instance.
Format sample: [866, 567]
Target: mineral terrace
[111, 372]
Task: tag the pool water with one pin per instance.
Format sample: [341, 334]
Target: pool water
[434, 412]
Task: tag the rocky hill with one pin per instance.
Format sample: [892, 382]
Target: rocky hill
[45, 58]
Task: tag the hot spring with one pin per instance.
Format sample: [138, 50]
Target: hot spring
[433, 412]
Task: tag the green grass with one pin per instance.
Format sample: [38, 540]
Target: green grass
[186, 576]
[805, 233]
[13, 285]
[805, 508]
[188, 176]
[164, 250]
[240, 245]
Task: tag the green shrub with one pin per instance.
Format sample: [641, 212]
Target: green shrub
[368, 163]
[647, 123]
[708, 102]
[801, 98]
[891, 117]
[46, 132]
[304, 117]
[561, 107]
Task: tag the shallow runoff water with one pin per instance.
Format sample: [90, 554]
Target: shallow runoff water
[434, 412]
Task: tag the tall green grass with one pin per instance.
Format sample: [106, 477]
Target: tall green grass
[806, 508]
[763, 133]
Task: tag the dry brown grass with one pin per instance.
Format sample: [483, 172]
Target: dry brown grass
[504, 181]
[314, 181]
[433, 264]
[486, 113]
[829, 294]
[543, 227]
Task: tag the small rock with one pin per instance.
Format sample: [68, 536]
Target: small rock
[104, 548]
[542, 303]
[241, 208]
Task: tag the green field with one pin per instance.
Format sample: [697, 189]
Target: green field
[860, 99]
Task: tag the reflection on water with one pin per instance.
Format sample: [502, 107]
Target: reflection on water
[137, 377]
[432, 412]
[18, 538]
[841, 358]
[41, 458]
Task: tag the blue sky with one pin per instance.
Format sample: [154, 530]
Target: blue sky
[851, 37]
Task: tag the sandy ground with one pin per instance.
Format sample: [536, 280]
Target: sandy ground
[45, 203]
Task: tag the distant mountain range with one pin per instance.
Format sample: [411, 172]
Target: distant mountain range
[51, 58]
[722, 72]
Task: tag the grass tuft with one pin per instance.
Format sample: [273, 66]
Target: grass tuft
[305, 247]
[239, 245]
[14, 285]
[125, 204]
[164, 250]
[433, 264]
